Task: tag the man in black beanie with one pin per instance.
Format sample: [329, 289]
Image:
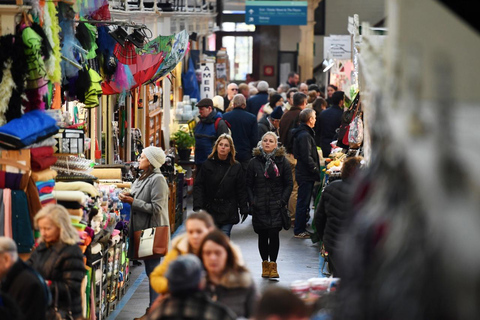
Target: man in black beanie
[186, 281]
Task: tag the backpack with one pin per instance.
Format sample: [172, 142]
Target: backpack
[217, 121]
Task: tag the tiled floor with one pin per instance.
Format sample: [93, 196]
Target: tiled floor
[297, 260]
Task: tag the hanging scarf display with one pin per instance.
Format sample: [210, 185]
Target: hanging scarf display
[6, 88]
[52, 30]
[271, 169]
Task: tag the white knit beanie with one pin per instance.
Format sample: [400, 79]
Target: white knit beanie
[155, 155]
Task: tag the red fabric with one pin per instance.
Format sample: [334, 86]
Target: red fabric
[2, 179]
[110, 87]
[102, 13]
[39, 164]
[46, 190]
[127, 54]
[41, 152]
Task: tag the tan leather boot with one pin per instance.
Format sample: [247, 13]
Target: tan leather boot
[273, 270]
[265, 269]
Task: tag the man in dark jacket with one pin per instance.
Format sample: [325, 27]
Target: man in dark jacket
[206, 133]
[307, 170]
[255, 102]
[21, 283]
[330, 120]
[289, 121]
[270, 122]
[244, 130]
[334, 210]
[232, 90]
[187, 300]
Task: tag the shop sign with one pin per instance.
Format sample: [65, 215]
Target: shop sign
[207, 86]
[280, 13]
[338, 47]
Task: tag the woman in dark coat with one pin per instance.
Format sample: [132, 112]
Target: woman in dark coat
[219, 187]
[333, 211]
[269, 185]
[58, 258]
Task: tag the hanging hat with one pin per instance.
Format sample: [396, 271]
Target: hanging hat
[184, 274]
[126, 54]
[155, 155]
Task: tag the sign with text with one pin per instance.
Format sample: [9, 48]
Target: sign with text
[338, 47]
[207, 86]
[285, 13]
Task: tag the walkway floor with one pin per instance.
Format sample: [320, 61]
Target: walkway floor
[298, 259]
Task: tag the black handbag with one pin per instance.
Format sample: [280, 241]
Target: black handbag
[219, 208]
[286, 221]
[54, 313]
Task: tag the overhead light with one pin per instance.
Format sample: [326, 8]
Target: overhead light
[137, 38]
[327, 64]
[120, 35]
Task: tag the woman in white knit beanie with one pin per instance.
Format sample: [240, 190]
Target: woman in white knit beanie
[149, 202]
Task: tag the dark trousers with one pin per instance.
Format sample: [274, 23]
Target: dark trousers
[150, 264]
[269, 244]
[305, 189]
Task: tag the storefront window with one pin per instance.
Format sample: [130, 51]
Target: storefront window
[239, 50]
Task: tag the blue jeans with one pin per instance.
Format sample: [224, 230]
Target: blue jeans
[305, 189]
[226, 228]
[150, 264]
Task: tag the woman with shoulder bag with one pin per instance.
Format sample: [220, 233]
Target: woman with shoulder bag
[149, 202]
[219, 187]
[269, 185]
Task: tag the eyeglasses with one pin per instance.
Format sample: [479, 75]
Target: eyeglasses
[234, 89]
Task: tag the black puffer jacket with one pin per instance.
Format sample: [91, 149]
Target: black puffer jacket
[305, 151]
[332, 212]
[230, 196]
[268, 196]
[63, 265]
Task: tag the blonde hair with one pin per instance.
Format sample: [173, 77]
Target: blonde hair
[232, 147]
[60, 218]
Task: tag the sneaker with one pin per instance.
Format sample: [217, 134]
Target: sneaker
[303, 235]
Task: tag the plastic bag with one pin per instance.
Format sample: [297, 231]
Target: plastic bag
[355, 133]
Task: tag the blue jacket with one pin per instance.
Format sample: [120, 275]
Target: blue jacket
[329, 121]
[256, 102]
[206, 135]
[244, 132]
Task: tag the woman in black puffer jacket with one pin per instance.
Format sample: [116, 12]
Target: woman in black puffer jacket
[59, 259]
[219, 187]
[334, 210]
[269, 185]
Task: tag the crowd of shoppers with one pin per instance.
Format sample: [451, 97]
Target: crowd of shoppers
[256, 153]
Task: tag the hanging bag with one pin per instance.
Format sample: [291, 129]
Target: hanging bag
[355, 134]
[54, 313]
[151, 243]
[219, 208]
[347, 118]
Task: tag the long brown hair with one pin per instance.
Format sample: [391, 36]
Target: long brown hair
[222, 240]
[147, 172]
[232, 148]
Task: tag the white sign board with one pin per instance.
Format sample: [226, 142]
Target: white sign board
[207, 86]
[338, 47]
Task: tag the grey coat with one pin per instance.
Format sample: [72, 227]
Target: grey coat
[150, 205]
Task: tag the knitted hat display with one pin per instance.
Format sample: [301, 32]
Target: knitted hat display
[155, 155]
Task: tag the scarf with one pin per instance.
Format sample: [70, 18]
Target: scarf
[270, 163]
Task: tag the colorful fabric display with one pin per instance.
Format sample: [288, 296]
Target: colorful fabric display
[44, 175]
[7, 206]
[2, 215]
[41, 152]
[46, 198]
[30, 128]
[45, 186]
